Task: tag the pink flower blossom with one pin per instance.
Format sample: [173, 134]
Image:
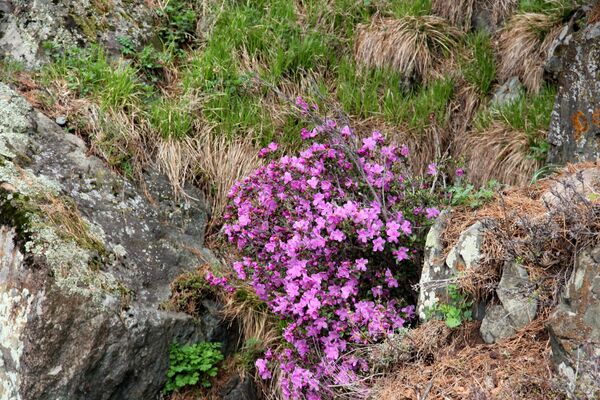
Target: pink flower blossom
[263, 371]
[432, 169]
[401, 254]
[431, 212]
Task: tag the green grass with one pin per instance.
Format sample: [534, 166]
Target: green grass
[9, 68]
[372, 92]
[431, 99]
[546, 6]
[90, 73]
[266, 39]
[401, 8]
[172, 119]
[379, 92]
[480, 70]
[529, 113]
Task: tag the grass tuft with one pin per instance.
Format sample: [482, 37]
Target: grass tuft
[523, 44]
[409, 45]
[171, 118]
[479, 68]
[509, 142]
[91, 73]
[457, 12]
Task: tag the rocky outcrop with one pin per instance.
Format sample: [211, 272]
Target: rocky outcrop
[438, 271]
[27, 27]
[575, 327]
[517, 305]
[85, 262]
[575, 123]
[517, 308]
[239, 388]
[531, 250]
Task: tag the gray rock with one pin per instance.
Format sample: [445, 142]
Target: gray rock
[81, 288]
[553, 60]
[61, 120]
[28, 25]
[496, 325]
[516, 293]
[239, 388]
[575, 122]
[508, 92]
[574, 327]
[489, 16]
[584, 184]
[438, 272]
[434, 268]
[518, 305]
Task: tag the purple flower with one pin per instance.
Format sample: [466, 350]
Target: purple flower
[378, 244]
[346, 131]
[401, 254]
[311, 233]
[369, 143]
[431, 212]
[459, 172]
[432, 169]
[404, 151]
[303, 105]
[261, 366]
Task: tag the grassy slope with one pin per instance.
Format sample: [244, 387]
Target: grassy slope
[237, 75]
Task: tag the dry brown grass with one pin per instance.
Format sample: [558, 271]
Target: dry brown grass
[457, 12]
[176, 158]
[522, 47]
[462, 108]
[220, 162]
[64, 214]
[498, 153]
[501, 9]
[458, 366]
[410, 45]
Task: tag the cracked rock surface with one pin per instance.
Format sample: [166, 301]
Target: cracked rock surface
[86, 259]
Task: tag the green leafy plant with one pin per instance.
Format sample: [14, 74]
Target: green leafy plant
[127, 46]
[192, 365]
[179, 22]
[467, 195]
[457, 310]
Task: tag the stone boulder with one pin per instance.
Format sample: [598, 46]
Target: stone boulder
[438, 271]
[574, 327]
[85, 263]
[517, 308]
[575, 121]
[582, 185]
[27, 26]
[507, 93]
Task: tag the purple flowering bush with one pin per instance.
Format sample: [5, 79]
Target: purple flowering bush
[328, 239]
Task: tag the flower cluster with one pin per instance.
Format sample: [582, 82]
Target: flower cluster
[327, 238]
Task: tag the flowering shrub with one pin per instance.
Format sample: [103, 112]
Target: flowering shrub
[327, 239]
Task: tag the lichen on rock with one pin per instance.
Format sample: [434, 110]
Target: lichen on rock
[96, 261]
[31, 25]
